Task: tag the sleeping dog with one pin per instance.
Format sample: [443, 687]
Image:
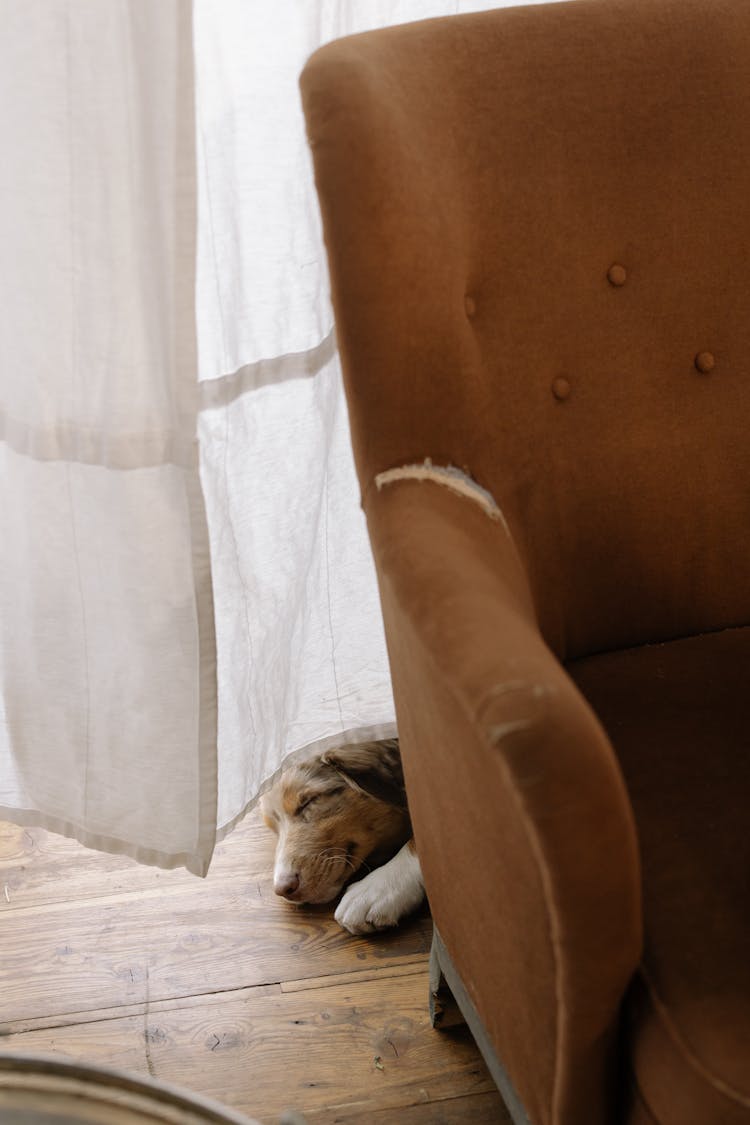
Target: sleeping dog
[336, 814]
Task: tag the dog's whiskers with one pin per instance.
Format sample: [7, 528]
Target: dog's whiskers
[335, 854]
[342, 858]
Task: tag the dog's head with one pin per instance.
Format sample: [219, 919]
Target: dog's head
[331, 814]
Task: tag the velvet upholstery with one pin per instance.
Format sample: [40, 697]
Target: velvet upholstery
[677, 716]
[538, 233]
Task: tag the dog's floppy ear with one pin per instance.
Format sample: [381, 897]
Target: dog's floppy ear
[373, 768]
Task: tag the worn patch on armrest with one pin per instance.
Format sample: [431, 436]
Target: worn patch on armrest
[448, 476]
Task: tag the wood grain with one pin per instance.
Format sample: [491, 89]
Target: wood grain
[241, 1047]
[39, 868]
[473, 1109]
[176, 939]
[219, 986]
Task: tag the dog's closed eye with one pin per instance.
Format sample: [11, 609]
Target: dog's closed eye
[308, 802]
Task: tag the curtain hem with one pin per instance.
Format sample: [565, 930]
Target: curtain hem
[194, 862]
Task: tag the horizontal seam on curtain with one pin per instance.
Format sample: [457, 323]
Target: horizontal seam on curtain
[214, 393]
[90, 446]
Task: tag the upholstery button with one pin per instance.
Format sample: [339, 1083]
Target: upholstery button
[561, 388]
[617, 275]
[705, 362]
[470, 305]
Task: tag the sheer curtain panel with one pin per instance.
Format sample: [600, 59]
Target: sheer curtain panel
[302, 661]
[107, 709]
[163, 278]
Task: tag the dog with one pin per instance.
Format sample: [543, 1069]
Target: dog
[339, 813]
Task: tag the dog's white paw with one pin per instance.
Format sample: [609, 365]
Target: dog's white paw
[384, 896]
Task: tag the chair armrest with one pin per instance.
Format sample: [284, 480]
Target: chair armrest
[522, 820]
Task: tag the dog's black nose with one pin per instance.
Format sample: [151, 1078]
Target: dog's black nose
[286, 883]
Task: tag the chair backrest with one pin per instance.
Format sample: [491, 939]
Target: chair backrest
[538, 226]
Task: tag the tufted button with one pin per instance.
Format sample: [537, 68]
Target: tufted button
[470, 305]
[561, 388]
[617, 275]
[705, 362]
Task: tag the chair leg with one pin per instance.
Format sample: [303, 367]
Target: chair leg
[444, 1011]
[450, 1006]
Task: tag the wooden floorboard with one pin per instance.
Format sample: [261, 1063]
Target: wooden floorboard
[472, 1109]
[36, 867]
[219, 986]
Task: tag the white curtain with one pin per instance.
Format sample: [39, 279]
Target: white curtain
[108, 698]
[301, 654]
[109, 728]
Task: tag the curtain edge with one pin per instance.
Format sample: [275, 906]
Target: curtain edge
[186, 357]
[197, 863]
[207, 733]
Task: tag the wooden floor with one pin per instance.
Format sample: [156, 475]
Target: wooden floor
[219, 986]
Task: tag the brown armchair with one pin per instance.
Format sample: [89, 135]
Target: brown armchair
[538, 227]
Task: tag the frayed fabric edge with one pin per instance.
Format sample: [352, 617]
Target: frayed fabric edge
[450, 477]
